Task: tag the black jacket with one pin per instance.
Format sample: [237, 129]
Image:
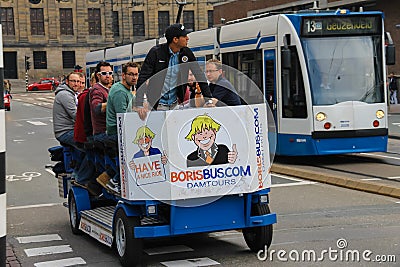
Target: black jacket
[157, 60]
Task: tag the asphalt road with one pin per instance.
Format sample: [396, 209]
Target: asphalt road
[311, 217]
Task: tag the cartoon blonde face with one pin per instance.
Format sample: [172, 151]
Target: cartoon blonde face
[144, 138]
[205, 138]
[145, 143]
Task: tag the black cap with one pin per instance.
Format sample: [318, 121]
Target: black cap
[175, 30]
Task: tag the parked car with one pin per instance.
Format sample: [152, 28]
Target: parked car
[44, 84]
[7, 101]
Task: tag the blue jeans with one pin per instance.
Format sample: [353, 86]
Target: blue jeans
[103, 137]
[84, 169]
[67, 138]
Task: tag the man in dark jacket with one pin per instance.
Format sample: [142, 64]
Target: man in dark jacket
[165, 89]
[220, 87]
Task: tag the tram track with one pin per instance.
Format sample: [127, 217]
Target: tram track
[371, 172]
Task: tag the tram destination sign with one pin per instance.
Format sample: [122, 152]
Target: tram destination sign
[334, 26]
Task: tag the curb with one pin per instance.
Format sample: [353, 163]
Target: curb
[366, 186]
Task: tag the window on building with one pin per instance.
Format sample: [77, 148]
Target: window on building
[68, 58]
[210, 15]
[7, 20]
[138, 23]
[188, 20]
[39, 60]
[66, 21]
[37, 21]
[94, 21]
[163, 22]
[115, 23]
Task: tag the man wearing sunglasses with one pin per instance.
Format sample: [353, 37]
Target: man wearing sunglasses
[98, 99]
[165, 89]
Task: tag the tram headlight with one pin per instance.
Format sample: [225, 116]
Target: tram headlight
[320, 116]
[380, 114]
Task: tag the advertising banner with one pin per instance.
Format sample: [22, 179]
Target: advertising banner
[193, 153]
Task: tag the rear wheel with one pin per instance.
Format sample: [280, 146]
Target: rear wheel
[35, 89]
[8, 108]
[73, 214]
[128, 247]
[258, 237]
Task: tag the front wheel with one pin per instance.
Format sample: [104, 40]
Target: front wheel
[128, 247]
[73, 214]
[258, 237]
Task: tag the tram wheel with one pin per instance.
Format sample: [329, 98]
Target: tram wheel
[258, 237]
[74, 218]
[128, 247]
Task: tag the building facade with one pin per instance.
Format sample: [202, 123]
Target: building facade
[236, 9]
[55, 35]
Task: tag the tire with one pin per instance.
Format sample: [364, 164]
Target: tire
[35, 89]
[74, 218]
[129, 248]
[8, 109]
[258, 237]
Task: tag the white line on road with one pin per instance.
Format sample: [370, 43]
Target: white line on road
[61, 263]
[31, 252]
[382, 156]
[50, 171]
[167, 250]
[42, 118]
[37, 123]
[394, 177]
[38, 238]
[371, 179]
[190, 262]
[293, 184]
[34, 206]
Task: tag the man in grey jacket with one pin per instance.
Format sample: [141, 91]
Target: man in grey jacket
[64, 109]
[64, 113]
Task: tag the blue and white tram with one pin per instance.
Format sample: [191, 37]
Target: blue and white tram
[323, 75]
[204, 44]
[117, 56]
[141, 49]
[92, 58]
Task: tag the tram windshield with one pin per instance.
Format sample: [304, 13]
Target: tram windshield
[344, 69]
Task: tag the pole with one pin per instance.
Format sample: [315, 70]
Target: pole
[3, 212]
[26, 80]
[181, 5]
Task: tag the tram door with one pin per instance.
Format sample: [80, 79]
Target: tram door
[270, 82]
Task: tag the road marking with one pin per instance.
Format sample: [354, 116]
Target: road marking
[19, 140]
[50, 171]
[61, 263]
[167, 250]
[190, 262]
[38, 238]
[294, 184]
[382, 156]
[37, 123]
[371, 179]
[42, 118]
[224, 233]
[34, 206]
[394, 177]
[31, 252]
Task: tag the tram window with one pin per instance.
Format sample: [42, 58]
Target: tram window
[250, 64]
[293, 93]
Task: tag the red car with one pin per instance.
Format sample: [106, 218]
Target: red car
[44, 84]
[7, 101]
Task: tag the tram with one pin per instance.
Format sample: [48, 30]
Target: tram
[322, 74]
